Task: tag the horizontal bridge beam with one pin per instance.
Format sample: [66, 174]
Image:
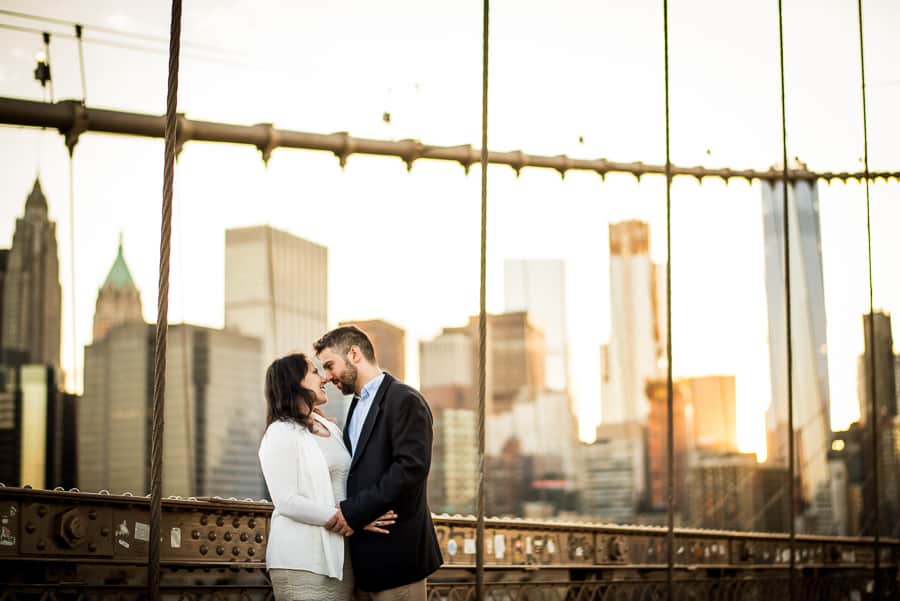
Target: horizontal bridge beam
[72, 119]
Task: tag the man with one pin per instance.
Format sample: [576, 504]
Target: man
[388, 433]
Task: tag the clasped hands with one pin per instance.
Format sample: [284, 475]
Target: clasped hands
[339, 525]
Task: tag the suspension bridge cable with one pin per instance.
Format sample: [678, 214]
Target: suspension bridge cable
[670, 423]
[792, 528]
[159, 351]
[876, 510]
[482, 311]
[78, 32]
[73, 293]
[159, 39]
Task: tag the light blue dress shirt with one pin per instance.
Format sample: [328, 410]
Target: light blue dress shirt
[354, 428]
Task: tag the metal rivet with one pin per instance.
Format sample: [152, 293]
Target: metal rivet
[220, 521]
[244, 537]
[204, 549]
[227, 536]
[236, 522]
[92, 514]
[104, 531]
[236, 551]
[220, 550]
[92, 547]
[195, 534]
[204, 520]
[212, 535]
[41, 545]
[30, 527]
[259, 538]
[42, 511]
[251, 551]
[251, 524]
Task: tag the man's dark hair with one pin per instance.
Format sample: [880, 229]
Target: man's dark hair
[342, 338]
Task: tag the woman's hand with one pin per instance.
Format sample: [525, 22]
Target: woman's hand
[378, 526]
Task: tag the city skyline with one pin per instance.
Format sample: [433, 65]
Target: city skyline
[219, 187]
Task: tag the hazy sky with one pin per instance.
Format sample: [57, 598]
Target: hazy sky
[589, 69]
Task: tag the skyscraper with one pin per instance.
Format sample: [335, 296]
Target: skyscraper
[613, 472]
[31, 289]
[539, 287]
[812, 421]
[389, 342]
[882, 347]
[637, 338]
[276, 289]
[213, 400]
[713, 408]
[118, 300]
[452, 479]
[445, 371]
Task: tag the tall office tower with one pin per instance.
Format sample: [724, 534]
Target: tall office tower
[452, 479]
[885, 369]
[515, 358]
[4, 261]
[213, 402]
[613, 467]
[637, 340]
[539, 288]
[276, 289]
[849, 474]
[118, 300]
[31, 289]
[730, 491]
[657, 443]
[508, 477]
[389, 342]
[445, 371]
[37, 426]
[713, 412]
[812, 415]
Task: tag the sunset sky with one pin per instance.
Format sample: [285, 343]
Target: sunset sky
[585, 69]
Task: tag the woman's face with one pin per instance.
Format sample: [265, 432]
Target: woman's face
[313, 381]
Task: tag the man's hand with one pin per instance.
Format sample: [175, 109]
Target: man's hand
[338, 524]
[379, 525]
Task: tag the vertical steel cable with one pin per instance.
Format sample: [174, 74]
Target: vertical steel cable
[162, 308]
[78, 32]
[787, 303]
[46, 36]
[670, 423]
[72, 267]
[876, 510]
[482, 311]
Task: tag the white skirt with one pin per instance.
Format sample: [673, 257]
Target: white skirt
[301, 585]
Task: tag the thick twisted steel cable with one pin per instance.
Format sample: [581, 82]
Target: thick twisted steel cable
[792, 529]
[80, 38]
[162, 309]
[72, 268]
[670, 421]
[876, 510]
[482, 310]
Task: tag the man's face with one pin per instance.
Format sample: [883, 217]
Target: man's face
[339, 370]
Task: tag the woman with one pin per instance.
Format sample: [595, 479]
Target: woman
[305, 464]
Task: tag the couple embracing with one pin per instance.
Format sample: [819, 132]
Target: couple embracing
[351, 518]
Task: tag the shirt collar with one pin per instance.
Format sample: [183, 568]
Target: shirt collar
[371, 387]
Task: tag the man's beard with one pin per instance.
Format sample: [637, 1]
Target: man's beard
[347, 380]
